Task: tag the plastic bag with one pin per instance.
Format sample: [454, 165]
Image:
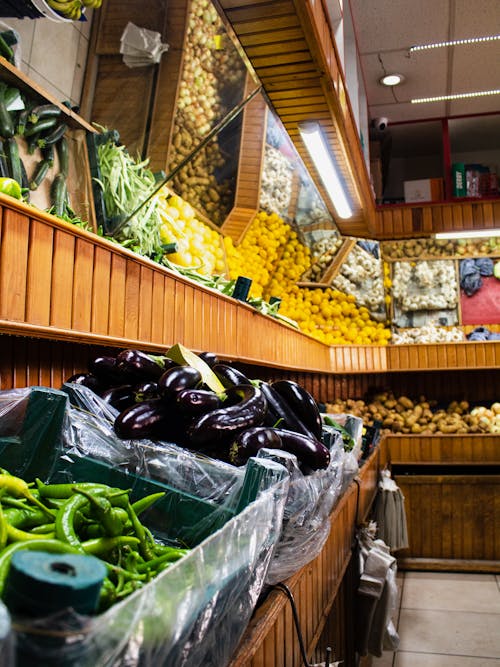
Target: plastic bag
[141, 47]
[310, 500]
[389, 513]
[194, 612]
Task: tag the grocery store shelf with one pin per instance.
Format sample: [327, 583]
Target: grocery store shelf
[61, 282]
[449, 449]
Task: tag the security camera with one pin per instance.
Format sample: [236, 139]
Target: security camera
[380, 124]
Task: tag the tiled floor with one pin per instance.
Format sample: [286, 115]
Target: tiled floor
[446, 620]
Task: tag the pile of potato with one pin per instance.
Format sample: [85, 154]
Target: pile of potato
[431, 247]
[420, 416]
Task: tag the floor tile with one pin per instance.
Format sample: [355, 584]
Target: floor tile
[453, 591]
[386, 660]
[438, 660]
[449, 632]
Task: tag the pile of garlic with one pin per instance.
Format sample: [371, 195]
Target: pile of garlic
[425, 285]
[430, 333]
[276, 183]
[361, 274]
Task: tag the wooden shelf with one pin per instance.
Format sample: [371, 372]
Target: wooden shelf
[58, 281]
[449, 449]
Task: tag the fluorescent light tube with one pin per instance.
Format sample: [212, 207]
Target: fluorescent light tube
[455, 42]
[456, 96]
[467, 235]
[314, 142]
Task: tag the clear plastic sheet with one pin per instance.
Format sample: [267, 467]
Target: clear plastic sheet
[193, 613]
[310, 497]
[310, 500]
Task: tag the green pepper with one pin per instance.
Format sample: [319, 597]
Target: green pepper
[104, 512]
[3, 528]
[65, 521]
[166, 559]
[18, 535]
[17, 487]
[102, 545]
[145, 503]
[65, 491]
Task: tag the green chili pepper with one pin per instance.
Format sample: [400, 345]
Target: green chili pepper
[65, 521]
[28, 517]
[3, 529]
[44, 528]
[52, 546]
[101, 545]
[145, 503]
[17, 487]
[65, 491]
[18, 535]
[168, 557]
[144, 543]
[103, 510]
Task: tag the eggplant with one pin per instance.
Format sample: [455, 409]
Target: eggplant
[140, 365]
[197, 401]
[229, 376]
[280, 414]
[104, 367]
[210, 358]
[302, 404]
[309, 451]
[178, 378]
[145, 391]
[248, 443]
[119, 397]
[224, 424]
[142, 420]
[87, 380]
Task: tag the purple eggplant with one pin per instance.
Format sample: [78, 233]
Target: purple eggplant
[140, 365]
[178, 378]
[224, 424]
[145, 391]
[309, 451]
[301, 403]
[104, 368]
[197, 402]
[249, 442]
[280, 414]
[87, 380]
[229, 376]
[120, 397]
[143, 420]
[210, 358]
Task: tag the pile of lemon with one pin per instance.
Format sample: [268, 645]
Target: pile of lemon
[198, 245]
[272, 255]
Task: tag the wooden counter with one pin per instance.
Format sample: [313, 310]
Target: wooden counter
[319, 588]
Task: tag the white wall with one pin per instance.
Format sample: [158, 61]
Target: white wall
[53, 54]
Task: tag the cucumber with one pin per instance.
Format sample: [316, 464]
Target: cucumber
[14, 160]
[6, 123]
[40, 126]
[54, 136]
[63, 155]
[44, 111]
[58, 192]
[41, 171]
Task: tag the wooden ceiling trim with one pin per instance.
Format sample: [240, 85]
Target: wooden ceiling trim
[303, 85]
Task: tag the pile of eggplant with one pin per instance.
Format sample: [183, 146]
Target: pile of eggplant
[159, 398]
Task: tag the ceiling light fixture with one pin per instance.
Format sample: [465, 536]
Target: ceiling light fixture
[323, 160]
[467, 235]
[455, 42]
[457, 96]
[392, 79]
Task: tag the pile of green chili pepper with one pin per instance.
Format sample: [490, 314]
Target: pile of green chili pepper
[83, 518]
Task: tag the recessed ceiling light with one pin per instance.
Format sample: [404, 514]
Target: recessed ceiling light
[455, 42]
[457, 96]
[392, 79]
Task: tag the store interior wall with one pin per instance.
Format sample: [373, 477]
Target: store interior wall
[53, 54]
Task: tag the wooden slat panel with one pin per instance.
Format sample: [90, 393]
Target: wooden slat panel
[114, 16]
[61, 305]
[13, 265]
[117, 296]
[82, 286]
[101, 287]
[39, 273]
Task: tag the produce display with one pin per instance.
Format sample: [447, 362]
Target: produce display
[276, 183]
[38, 130]
[83, 518]
[436, 248]
[428, 333]
[361, 274]
[323, 253]
[419, 415]
[211, 85]
[204, 405]
[424, 285]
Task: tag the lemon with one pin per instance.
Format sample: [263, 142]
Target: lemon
[11, 187]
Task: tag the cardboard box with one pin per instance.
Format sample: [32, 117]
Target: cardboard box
[426, 189]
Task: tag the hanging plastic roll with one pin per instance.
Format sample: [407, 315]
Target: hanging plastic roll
[6, 638]
[389, 513]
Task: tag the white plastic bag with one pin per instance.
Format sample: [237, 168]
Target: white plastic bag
[141, 47]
